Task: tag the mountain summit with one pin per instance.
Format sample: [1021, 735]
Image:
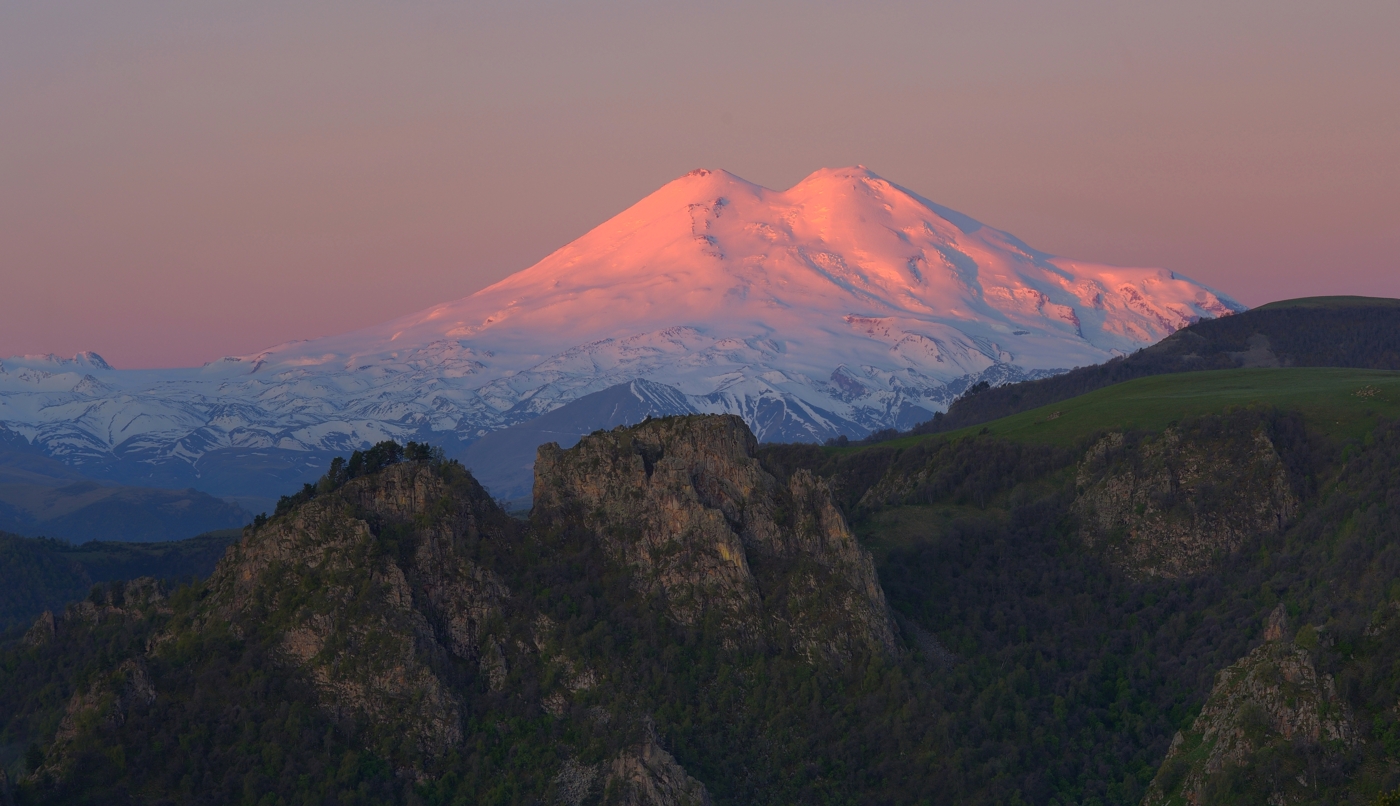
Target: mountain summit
[842, 305]
[845, 264]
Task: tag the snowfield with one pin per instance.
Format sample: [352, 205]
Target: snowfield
[842, 305]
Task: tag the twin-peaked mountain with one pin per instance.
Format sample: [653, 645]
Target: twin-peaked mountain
[842, 305]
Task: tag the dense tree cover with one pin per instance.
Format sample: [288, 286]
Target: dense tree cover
[361, 463]
[1071, 677]
[38, 574]
[1033, 672]
[229, 725]
[36, 577]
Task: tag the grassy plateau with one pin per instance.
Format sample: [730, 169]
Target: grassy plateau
[1341, 403]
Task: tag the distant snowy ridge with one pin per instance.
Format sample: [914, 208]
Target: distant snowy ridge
[843, 305]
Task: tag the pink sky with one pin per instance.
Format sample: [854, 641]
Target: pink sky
[182, 181]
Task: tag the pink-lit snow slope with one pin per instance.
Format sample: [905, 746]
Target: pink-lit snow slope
[843, 305]
[845, 265]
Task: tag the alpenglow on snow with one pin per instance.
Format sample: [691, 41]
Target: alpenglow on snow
[843, 305]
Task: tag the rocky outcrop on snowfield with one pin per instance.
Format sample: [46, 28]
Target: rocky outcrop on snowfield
[842, 305]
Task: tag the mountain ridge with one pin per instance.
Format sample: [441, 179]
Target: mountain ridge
[969, 620]
[846, 303]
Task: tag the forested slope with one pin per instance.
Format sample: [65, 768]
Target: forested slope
[38, 574]
[688, 617]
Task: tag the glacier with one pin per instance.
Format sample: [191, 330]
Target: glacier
[843, 305]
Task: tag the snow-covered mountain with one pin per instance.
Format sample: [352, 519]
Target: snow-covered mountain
[844, 304]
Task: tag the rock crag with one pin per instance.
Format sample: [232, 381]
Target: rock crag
[437, 636]
[1271, 714]
[1172, 505]
[685, 504]
[375, 591]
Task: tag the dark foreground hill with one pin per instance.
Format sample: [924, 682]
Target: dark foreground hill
[689, 618]
[1355, 332]
[38, 574]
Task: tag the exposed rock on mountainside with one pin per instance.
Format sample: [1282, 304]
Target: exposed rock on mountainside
[372, 626]
[683, 501]
[385, 602]
[607, 650]
[109, 696]
[1172, 504]
[426, 624]
[647, 775]
[1267, 715]
[643, 775]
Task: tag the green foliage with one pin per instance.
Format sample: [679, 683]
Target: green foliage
[361, 463]
[38, 574]
[229, 727]
[1101, 670]
[36, 577]
[1033, 671]
[1307, 637]
[1327, 399]
[1353, 332]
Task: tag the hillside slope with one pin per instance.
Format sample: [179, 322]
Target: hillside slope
[39, 574]
[1355, 332]
[689, 616]
[406, 621]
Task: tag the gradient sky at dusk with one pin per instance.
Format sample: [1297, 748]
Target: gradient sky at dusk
[185, 180]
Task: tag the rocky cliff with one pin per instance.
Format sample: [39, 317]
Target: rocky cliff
[440, 636]
[1269, 721]
[385, 596]
[1173, 504]
[684, 503]
[373, 592]
[109, 694]
[681, 620]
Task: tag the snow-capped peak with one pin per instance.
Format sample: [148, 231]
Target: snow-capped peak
[846, 300]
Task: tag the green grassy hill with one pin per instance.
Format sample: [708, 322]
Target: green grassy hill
[1351, 332]
[1341, 403]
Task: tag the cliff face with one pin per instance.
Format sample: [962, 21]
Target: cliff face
[1269, 719]
[383, 593]
[372, 593]
[398, 597]
[684, 504]
[385, 590]
[110, 694]
[1173, 504]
